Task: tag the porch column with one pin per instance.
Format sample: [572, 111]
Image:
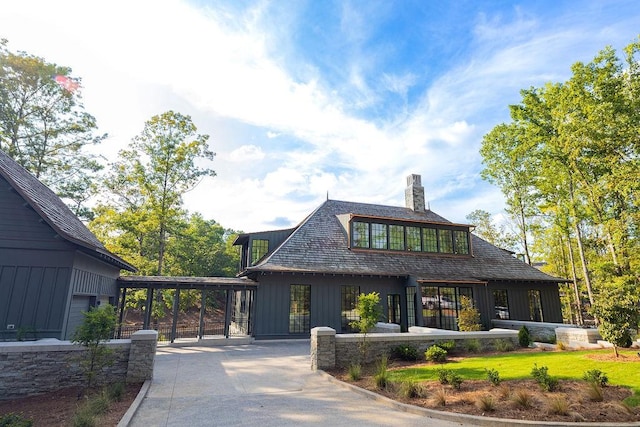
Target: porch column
[227, 312]
[147, 308]
[203, 310]
[176, 306]
[121, 308]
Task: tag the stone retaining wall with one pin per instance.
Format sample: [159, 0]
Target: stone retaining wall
[330, 350]
[48, 365]
[539, 331]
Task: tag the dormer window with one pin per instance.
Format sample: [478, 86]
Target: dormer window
[418, 237]
[259, 248]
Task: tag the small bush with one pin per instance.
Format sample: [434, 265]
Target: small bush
[524, 338]
[443, 376]
[405, 352]
[486, 403]
[115, 391]
[440, 397]
[409, 390]
[473, 345]
[503, 345]
[381, 376]
[355, 372]
[84, 418]
[14, 420]
[468, 316]
[558, 406]
[436, 354]
[596, 376]
[447, 346]
[542, 377]
[98, 404]
[523, 399]
[452, 378]
[493, 376]
[594, 392]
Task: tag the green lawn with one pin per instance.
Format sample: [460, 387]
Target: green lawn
[561, 364]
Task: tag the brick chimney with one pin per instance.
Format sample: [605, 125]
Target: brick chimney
[414, 193]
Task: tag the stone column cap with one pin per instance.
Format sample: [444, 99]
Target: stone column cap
[323, 330]
[145, 334]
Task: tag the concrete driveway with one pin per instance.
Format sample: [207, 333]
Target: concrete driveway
[261, 384]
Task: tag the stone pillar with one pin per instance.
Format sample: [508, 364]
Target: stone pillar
[142, 356]
[323, 348]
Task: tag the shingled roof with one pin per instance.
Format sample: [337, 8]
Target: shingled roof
[54, 212]
[319, 245]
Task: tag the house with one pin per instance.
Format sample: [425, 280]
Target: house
[52, 268]
[420, 263]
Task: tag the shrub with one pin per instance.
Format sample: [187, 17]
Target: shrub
[115, 391]
[493, 376]
[542, 377]
[486, 403]
[594, 392]
[524, 338]
[84, 418]
[14, 420]
[381, 376]
[440, 397]
[503, 345]
[405, 352]
[98, 404]
[596, 376]
[447, 346]
[436, 354]
[355, 371]
[468, 316]
[523, 399]
[446, 376]
[473, 345]
[558, 405]
[443, 376]
[409, 389]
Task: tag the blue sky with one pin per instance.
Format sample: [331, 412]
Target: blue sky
[308, 98]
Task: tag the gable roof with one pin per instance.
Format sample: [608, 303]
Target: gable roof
[319, 245]
[54, 212]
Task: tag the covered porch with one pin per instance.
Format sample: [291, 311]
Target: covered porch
[238, 295]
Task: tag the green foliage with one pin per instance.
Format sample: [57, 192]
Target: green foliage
[524, 339]
[596, 376]
[45, 128]
[468, 315]
[436, 354]
[410, 390]
[405, 352]
[355, 371]
[448, 345]
[493, 376]
[485, 229]
[473, 345]
[542, 377]
[381, 376]
[14, 420]
[97, 328]
[115, 392]
[369, 312]
[618, 311]
[446, 376]
[503, 345]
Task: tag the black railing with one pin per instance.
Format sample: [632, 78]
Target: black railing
[182, 331]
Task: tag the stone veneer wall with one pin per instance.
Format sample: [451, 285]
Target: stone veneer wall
[48, 365]
[330, 350]
[539, 331]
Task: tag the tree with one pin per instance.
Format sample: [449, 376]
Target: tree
[618, 310]
[487, 230]
[96, 329]
[369, 313]
[469, 316]
[150, 179]
[44, 127]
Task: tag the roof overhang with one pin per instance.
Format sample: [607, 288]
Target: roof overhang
[177, 282]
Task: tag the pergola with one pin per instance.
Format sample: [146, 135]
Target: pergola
[153, 283]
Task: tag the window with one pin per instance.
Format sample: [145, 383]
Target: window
[349, 313]
[411, 306]
[462, 242]
[360, 233]
[535, 306]
[501, 304]
[430, 240]
[413, 239]
[445, 240]
[259, 248]
[441, 305]
[299, 309]
[378, 236]
[393, 308]
[396, 237]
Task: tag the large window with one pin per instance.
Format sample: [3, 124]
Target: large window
[299, 309]
[393, 308]
[379, 236]
[441, 305]
[535, 306]
[349, 303]
[430, 239]
[413, 238]
[396, 237]
[360, 238]
[501, 304]
[259, 248]
[411, 306]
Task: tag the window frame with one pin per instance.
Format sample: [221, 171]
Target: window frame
[299, 317]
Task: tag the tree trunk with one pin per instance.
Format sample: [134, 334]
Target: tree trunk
[579, 319]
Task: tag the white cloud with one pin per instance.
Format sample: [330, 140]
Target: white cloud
[246, 153]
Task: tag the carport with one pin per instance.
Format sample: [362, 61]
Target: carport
[230, 285]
